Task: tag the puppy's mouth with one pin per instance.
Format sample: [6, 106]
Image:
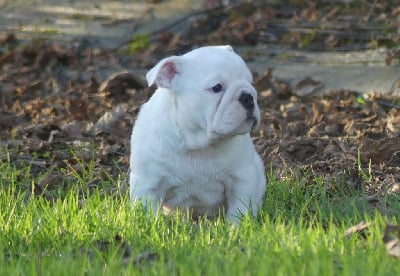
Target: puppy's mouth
[251, 119]
[249, 124]
[254, 122]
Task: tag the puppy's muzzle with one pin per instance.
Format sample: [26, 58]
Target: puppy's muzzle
[247, 102]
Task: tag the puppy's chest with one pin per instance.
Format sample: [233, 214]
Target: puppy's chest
[194, 182]
[198, 172]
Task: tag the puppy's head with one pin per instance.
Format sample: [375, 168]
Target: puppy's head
[212, 91]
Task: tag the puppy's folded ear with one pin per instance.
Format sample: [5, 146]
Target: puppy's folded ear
[164, 73]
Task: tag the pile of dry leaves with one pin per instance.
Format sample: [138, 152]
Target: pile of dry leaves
[60, 105]
[63, 104]
[339, 136]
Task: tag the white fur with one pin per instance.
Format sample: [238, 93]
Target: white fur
[191, 147]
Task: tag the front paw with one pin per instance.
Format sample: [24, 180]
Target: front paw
[150, 206]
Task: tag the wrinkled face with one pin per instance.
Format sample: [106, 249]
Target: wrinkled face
[213, 91]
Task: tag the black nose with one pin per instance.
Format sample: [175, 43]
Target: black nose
[247, 101]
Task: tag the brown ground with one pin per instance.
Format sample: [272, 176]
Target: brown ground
[62, 104]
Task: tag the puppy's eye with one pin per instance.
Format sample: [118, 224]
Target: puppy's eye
[217, 88]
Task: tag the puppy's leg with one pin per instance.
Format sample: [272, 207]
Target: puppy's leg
[239, 206]
[147, 194]
[244, 198]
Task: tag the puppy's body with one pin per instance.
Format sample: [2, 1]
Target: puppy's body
[191, 146]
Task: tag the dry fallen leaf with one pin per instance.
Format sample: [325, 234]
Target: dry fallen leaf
[378, 150]
[359, 228]
[113, 122]
[145, 257]
[307, 86]
[118, 83]
[391, 238]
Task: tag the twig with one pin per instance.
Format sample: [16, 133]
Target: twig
[380, 102]
[173, 24]
[140, 20]
[368, 16]
[23, 158]
[186, 17]
[387, 104]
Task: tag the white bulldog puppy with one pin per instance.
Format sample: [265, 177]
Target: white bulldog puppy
[190, 146]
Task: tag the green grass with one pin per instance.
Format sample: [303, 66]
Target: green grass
[50, 31]
[299, 231]
[138, 43]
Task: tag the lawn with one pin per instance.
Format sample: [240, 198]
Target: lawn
[302, 229]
